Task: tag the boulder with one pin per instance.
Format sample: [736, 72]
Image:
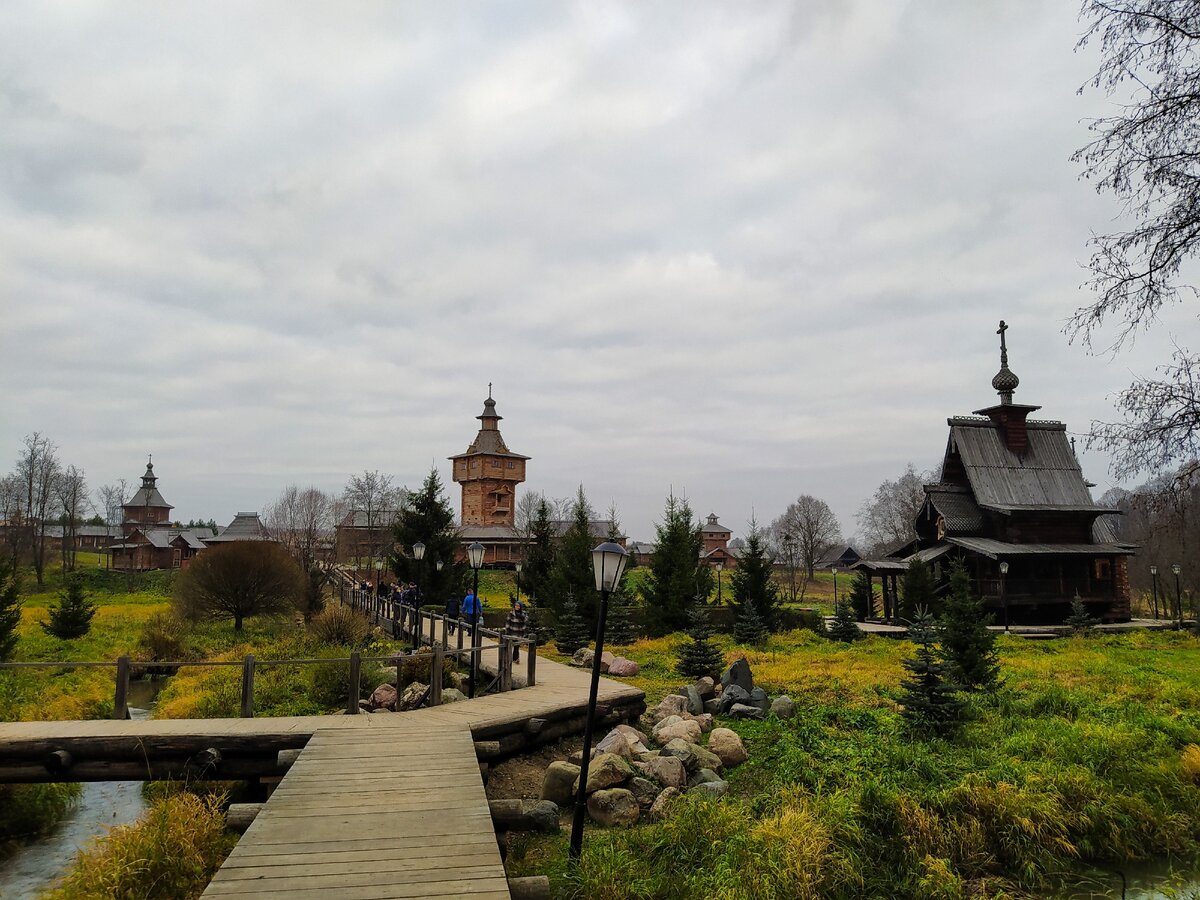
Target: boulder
[644, 791]
[712, 706]
[658, 809]
[695, 703]
[783, 707]
[576, 758]
[683, 729]
[759, 698]
[730, 696]
[746, 711]
[383, 697]
[692, 756]
[583, 657]
[558, 784]
[622, 667]
[707, 688]
[711, 788]
[607, 770]
[461, 682]
[614, 806]
[631, 734]
[705, 721]
[739, 673]
[727, 746]
[671, 705]
[411, 698]
[703, 777]
[452, 695]
[666, 770]
[606, 661]
[615, 742]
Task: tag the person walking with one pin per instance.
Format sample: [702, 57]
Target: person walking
[453, 611]
[470, 609]
[515, 624]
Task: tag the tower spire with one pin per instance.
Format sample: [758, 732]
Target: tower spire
[1005, 381]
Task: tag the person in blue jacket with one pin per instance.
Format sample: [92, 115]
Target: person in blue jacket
[470, 608]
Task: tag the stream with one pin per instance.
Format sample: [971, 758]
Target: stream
[33, 868]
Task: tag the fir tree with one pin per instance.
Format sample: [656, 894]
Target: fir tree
[751, 580]
[71, 616]
[428, 518]
[844, 628]
[677, 578]
[572, 632]
[10, 608]
[619, 629]
[539, 558]
[538, 625]
[917, 590]
[862, 596]
[1079, 621]
[749, 628]
[931, 706]
[968, 648]
[699, 657]
[571, 573]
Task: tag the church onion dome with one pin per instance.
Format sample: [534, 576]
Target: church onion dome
[1005, 381]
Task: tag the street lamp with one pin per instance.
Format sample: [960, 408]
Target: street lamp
[719, 567]
[475, 557]
[834, 588]
[1003, 593]
[418, 552]
[378, 579]
[517, 567]
[1178, 598]
[608, 562]
[1154, 587]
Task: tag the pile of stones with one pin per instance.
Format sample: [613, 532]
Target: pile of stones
[386, 698]
[609, 664]
[735, 696]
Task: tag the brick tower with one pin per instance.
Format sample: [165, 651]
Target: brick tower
[489, 473]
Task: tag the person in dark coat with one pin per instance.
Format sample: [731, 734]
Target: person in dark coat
[453, 606]
[515, 625]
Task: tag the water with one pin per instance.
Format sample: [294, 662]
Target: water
[1143, 881]
[33, 868]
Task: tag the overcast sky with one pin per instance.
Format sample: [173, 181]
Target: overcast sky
[747, 251]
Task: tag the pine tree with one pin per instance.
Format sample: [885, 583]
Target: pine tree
[699, 657]
[428, 518]
[539, 558]
[862, 596]
[571, 573]
[1079, 621]
[751, 580]
[538, 625]
[619, 629]
[931, 706]
[10, 608]
[844, 628]
[749, 628]
[572, 632]
[917, 590]
[71, 616]
[676, 578]
[968, 648]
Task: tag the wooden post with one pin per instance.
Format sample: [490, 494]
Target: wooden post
[355, 684]
[121, 698]
[395, 617]
[445, 636]
[531, 650]
[432, 629]
[505, 664]
[460, 637]
[248, 687]
[435, 677]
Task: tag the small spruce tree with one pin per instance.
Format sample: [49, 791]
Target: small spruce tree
[1079, 621]
[862, 596]
[71, 616]
[538, 624]
[917, 590]
[751, 581]
[699, 657]
[749, 628]
[931, 706]
[844, 628]
[10, 608]
[619, 630]
[572, 631]
[968, 648]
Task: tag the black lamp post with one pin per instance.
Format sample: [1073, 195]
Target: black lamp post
[475, 557]
[1154, 587]
[378, 583]
[1003, 592]
[1178, 596]
[834, 588]
[608, 562]
[418, 552]
[517, 567]
[719, 568]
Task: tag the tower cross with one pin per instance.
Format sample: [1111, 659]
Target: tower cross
[490, 384]
[1003, 347]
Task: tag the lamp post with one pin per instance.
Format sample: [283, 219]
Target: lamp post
[834, 588]
[719, 568]
[378, 579]
[1003, 592]
[1178, 597]
[418, 552]
[1154, 587]
[517, 567]
[475, 557]
[608, 562]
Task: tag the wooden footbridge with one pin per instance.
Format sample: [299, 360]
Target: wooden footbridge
[373, 806]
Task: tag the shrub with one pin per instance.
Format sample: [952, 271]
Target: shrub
[1079, 621]
[71, 616]
[340, 626]
[10, 608]
[240, 579]
[30, 809]
[163, 637]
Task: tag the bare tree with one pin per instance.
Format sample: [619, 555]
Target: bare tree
[13, 515]
[785, 550]
[302, 521]
[72, 496]
[37, 469]
[112, 499]
[526, 514]
[888, 518]
[374, 495]
[237, 580]
[1146, 155]
[812, 526]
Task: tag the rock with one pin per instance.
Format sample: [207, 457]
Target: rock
[622, 667]
[783, 707]
[730, 696]
[705, 721]
[711, 788]
[759, 698]
[614, 742]
[692, 756]
[695, 703]
[576, 758]
[411, 698]
[583, 657]
[707, 688]
[658, 809]
[739, 673]
[607, 770]
[631, 734]
[727, 746]
[682, 729]
[703, 776]
[524, 815]
[452, 695]
[745, 711]
[461, 682]
[383, 697]
[382, 709]
[671, 705]
[606, 661]
[558, 784]
[644, 791]
[712, 706]
[666, 770]
[615, 806]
